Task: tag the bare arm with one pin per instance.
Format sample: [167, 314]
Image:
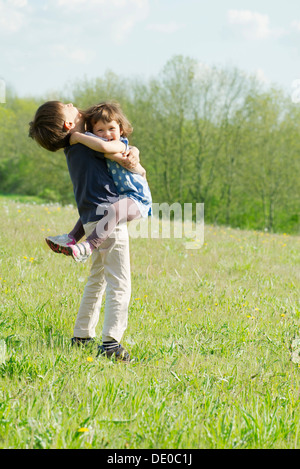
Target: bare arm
[113, 150]
[97, 144]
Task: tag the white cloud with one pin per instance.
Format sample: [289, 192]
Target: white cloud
[105, 7]
[296, 25]
[17, 3]
[74, 4]
[255, 25]
[12, 15]
[77, 55]
[167, 28]
[115, 18]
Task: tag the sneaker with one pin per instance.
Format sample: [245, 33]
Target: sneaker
[118, 353]
[80, 252]
[81, 342]
[60, 242]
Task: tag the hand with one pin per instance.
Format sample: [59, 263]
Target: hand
[133, 159]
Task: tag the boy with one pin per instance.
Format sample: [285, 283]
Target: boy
[52, 126]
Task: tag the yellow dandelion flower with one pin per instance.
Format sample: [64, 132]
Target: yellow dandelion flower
[24, 257]
[83, 429]
[282, 315]
[90, 359]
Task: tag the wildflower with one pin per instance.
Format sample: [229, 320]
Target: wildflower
[282, 315]
[24, 257]
[90, 359]
[82, 430]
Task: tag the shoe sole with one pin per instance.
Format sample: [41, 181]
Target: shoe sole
[66, 250]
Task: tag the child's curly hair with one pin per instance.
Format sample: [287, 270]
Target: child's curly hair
[107, 112]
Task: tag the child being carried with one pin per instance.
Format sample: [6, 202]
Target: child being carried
[107, 132]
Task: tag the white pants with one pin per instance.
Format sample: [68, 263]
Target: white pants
[110, 271]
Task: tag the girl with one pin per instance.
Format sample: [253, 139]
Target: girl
[107, 132]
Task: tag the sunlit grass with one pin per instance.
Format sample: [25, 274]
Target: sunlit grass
[211, 329]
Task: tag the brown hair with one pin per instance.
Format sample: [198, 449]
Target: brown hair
[47, 127]
[107, 112]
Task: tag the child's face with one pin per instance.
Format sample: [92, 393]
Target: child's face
[108, 130]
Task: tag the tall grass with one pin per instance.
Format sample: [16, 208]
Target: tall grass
[211, 329]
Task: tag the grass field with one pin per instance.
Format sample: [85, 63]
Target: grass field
[212, 329]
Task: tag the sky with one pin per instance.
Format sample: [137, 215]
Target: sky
[47, 45]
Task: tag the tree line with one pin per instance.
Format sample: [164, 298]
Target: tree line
[206, 135]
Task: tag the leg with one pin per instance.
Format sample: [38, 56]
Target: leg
[111, 268]
[88, 313]
[122, 211]
[77, 232]
[118, 290]
[61, 243]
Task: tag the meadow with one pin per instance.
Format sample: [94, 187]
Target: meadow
[211, 329]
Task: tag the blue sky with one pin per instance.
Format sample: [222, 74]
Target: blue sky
[46, 45]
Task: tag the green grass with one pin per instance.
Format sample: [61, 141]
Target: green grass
[211, 327]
